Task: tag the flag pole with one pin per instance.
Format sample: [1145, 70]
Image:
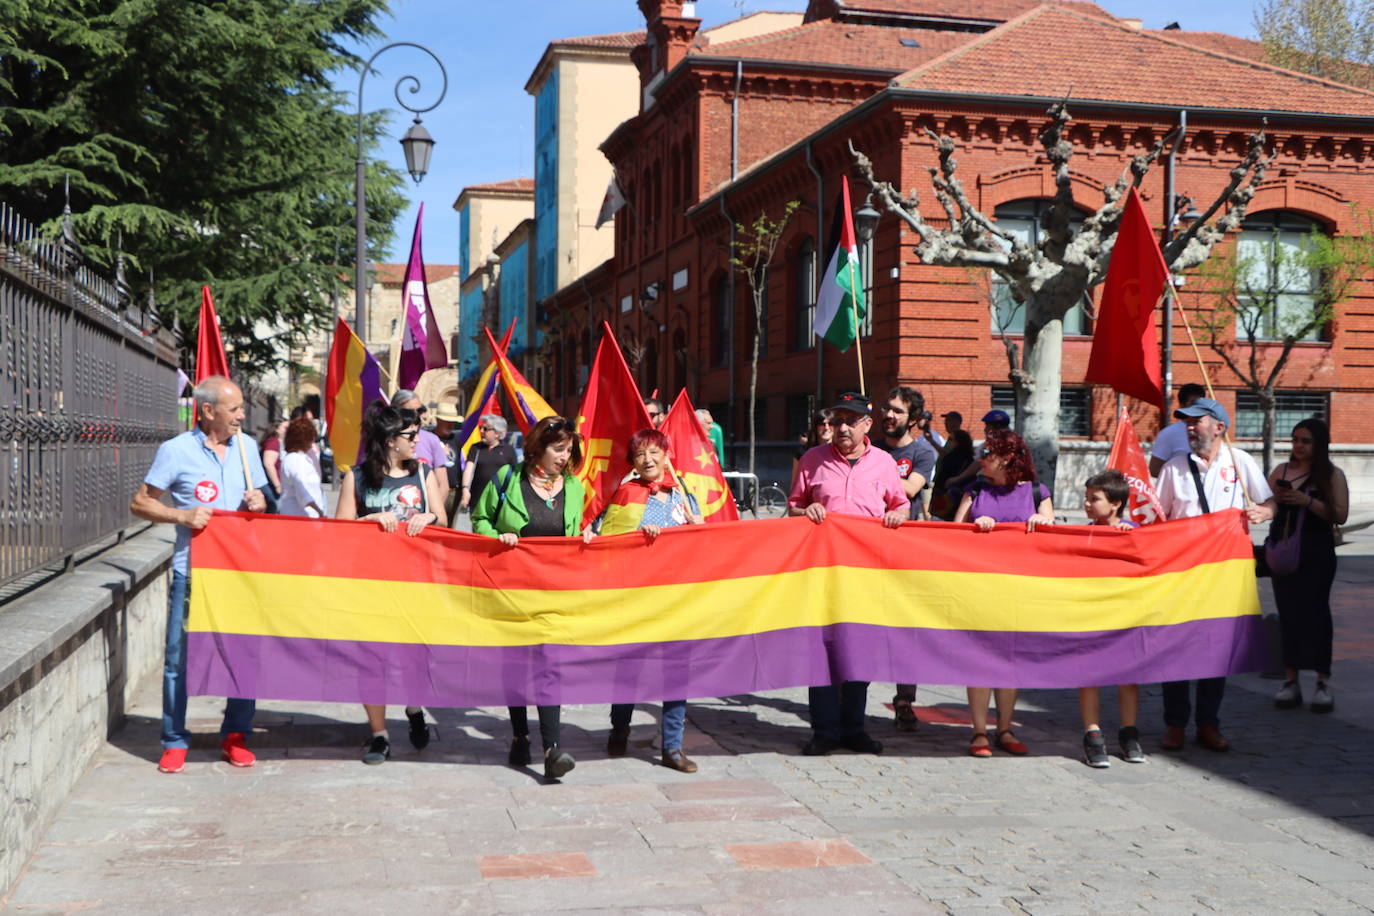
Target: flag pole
[1211, 393]
[858, 329]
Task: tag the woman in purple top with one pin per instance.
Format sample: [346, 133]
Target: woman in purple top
[1007, 492]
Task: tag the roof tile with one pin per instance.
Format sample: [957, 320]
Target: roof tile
[1050, 49]
[826, 42]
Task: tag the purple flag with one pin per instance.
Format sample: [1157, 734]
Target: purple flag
[422, 346]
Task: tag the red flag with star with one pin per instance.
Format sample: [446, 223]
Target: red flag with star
[694, 459]
[612, 411]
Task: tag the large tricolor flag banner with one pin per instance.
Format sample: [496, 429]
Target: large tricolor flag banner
[1128, 458]
[210, 359]
[526, 403]
[694, 460]
[322, 610]
[612, 411]
[422, 344]
[1125, 351]
[353, 381]
[840, 301]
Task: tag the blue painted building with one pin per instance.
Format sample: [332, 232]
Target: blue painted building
[546, 188]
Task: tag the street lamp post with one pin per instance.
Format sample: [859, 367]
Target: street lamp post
[865, 227]
[417, 144]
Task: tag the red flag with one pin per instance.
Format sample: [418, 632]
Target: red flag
[612, 411]
[695, 462]
[1125, 350]
[1127, 458]
[209, 348]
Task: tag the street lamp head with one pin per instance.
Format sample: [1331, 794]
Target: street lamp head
[418, 144]
[866, 221]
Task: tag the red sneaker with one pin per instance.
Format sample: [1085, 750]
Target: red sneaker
[173, 760]
[235, 752]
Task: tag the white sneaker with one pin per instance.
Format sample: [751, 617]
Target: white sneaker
[1322, 701]
[1289, 695]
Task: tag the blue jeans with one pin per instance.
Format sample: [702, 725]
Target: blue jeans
[672, 724]
[837, 710]
[1177, 706]
[238, 714]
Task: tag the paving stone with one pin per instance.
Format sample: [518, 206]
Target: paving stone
[537, 865]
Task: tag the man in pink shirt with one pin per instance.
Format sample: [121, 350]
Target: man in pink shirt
[852, 477]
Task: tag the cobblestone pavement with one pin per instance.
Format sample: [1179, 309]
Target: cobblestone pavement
[1281, 824]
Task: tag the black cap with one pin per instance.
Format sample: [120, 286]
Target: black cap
[854, 402]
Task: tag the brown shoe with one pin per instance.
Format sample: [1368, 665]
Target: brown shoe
[618, 742]
[1173, 738]
[676, 760]
[1210, 737]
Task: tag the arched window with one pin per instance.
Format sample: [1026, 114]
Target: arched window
[1021, 218]
[803, 297]
[1276, 284]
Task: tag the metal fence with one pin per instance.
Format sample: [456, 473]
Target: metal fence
[86, 395]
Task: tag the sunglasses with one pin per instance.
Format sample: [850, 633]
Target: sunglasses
[411, 435]
[837, 422]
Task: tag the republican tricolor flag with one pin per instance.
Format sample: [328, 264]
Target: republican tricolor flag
[353, 381]
[840, 303]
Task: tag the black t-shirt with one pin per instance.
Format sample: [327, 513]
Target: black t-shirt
[546, 521]
[489, 461]
[916, 457]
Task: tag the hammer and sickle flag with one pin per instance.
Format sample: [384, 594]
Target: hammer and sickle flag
[612, 411]
[694, 459]
[1125, 350]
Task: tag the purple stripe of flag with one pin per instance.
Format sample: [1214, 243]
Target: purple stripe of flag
[337, 671]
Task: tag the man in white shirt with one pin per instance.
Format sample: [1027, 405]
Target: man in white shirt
[1172, 440]
[1211, 477]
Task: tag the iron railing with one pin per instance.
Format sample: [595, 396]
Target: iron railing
[86, 396]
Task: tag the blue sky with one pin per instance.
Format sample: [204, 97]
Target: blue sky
[483, 129]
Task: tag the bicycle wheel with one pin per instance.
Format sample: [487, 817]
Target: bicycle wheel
[772, 502]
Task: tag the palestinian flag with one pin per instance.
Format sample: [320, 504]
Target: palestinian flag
[842, 289]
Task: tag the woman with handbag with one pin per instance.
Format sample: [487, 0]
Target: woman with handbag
[1313, 499]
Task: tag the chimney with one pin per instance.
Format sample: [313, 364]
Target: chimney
[672, 26]
[1137, 24]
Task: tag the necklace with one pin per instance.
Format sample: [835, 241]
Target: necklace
[548, 489]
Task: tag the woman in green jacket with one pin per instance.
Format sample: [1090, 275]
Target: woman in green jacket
[538, 498]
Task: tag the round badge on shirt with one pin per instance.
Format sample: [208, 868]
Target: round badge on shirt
[409, 496]
[207, 491]
[1229, 474]
[904, 467]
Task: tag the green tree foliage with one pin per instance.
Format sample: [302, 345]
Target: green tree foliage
[1269, 294]
[203, 138]
[1333, 39]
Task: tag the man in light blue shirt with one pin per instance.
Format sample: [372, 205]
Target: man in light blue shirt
[211, 467]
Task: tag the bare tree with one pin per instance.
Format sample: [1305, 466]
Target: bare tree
[1333, 39]
[1270, 296]
[1050, 277]
[754, 248]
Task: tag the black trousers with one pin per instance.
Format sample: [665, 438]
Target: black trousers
[549, 717]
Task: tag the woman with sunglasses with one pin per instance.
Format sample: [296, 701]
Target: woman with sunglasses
[1007, 492]
[488, 455]
[393, 489]
[540, 497]
[820, 433]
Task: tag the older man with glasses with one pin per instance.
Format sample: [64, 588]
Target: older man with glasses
[853, 477]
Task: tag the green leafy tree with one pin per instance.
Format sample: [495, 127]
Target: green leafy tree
[755, 245]
[203, 138]
[1333, 39]
[1269, 295]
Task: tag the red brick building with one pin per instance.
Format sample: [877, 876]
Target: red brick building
[730, 130]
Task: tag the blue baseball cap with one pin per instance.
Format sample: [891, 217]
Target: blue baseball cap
[997, 416]
[1204, 407]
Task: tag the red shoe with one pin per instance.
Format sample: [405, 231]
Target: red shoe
[173, 760]
[979, 750]
[1007, 742]
[235, 752]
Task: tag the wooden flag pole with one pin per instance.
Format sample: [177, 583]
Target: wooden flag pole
[1211, 393]
[243, 454]
[858, 330]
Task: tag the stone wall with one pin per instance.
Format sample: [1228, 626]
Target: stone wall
[72, 654]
